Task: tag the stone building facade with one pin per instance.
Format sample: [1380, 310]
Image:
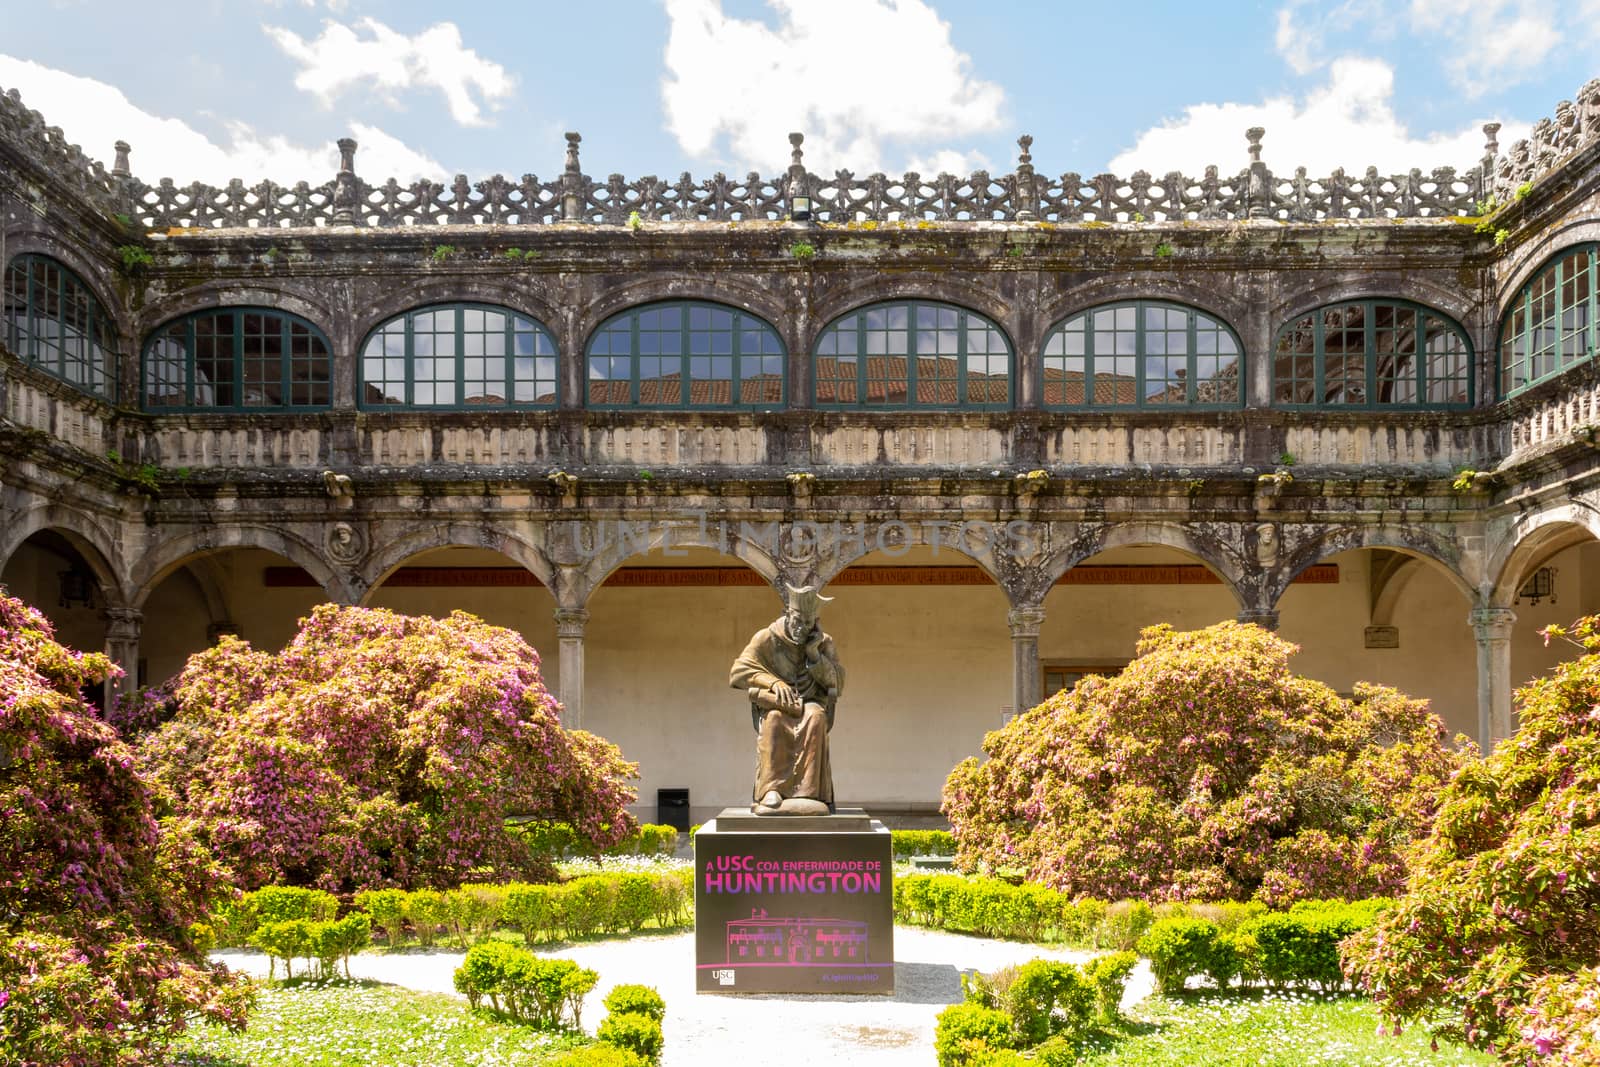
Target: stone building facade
[1006, 421]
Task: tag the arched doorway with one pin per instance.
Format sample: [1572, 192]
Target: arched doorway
[664, 627]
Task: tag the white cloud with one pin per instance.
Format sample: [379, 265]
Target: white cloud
[1292, 41]
[1497, 43]
[1346, 122]
[96, 115]
[867, 81]
[435, 58]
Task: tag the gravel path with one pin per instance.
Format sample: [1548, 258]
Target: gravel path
[867, 1031]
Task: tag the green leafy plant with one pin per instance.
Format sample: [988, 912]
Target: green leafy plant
[135, 259]
[1523, 190]
[1494, 941]
[802, 250]
[1286, 459]
[440, 253]
[1138, 216]
[635, 223]
[1501, 236]
[1125, 795]
[296, 774]
[98, 953]
[1164, 250]
[640, 1034]
[1014, 251]
[645, 476]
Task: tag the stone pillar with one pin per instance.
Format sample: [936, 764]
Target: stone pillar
[123, 626]
[1025, 680]
[1267, 620]
[570, 623]
[1492, 628]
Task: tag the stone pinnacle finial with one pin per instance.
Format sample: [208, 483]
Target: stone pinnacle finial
[347, 154]
[1025, 142]
[795, 154]
[573, 138]
[119, 168]
[1491, 139]
[1254, 135]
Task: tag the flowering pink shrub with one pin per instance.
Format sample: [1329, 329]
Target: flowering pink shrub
[380, 749]
[1497, 939]
[97, 963]
[1207, 770]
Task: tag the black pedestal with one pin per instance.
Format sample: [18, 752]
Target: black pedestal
[794, 904]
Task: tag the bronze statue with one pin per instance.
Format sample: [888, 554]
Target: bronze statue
[792, 675]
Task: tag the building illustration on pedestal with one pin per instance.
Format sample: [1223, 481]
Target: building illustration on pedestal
[1006, 421]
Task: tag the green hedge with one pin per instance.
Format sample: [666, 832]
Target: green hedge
[908, 843]
[547, 994]
[1027, 912]
[633, 1021]
[557, 839]
[1299, 947]
[326, 942]
[1045, 1008]
[610, 902]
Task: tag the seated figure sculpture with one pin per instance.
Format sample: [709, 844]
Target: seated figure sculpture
[792, 676]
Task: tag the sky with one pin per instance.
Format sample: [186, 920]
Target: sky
[209, 90]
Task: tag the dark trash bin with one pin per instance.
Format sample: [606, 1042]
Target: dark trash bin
[672, 808]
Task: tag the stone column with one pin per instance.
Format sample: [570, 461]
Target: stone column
[123, 626]
[1267, 620]
[1025, 680]
[570, 623]
[1492, 628]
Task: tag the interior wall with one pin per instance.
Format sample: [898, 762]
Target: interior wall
[1100, 624]
[177, 617]
[529, 610]
[32, 575]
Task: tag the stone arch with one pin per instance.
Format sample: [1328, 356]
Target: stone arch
[940, 537]
[392, 555]
[988, 302]
[1454, 304]
[738, 295]
[1209, 550]
[36, 239]
[1527, 260]
[1115, 290]
[213, 296]
[612, 552]
[161, 560]
[398, 301]
[1532, 540]
[95, 543]
[1421, 543]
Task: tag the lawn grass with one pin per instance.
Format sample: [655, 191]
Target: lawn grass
[1252, 1028]
[364, 1024]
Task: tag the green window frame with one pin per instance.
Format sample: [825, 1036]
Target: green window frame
[1550, 326]
[458, 356]
[912, 354]
[1372, 354]
[53, 321]
[687, 354]
[237, 359]
[1142, 354]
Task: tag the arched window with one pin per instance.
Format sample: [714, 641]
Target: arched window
[912, 353]
[243, 359]
[1372, 354]
[1551, 323]
[459, 355]
[685, 354]
[1143, 353]
[53, 321]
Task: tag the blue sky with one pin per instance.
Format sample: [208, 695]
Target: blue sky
[255, 87]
